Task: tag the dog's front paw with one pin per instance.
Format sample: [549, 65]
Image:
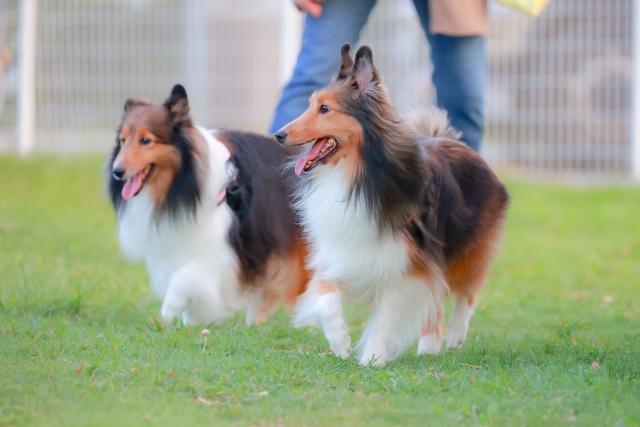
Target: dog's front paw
[172, 309]
[455, 336]
[429, 344]
[372, 359]
[339, 340]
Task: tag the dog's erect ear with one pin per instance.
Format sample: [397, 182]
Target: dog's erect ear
[178, 92]
[364, 73]
[347, 62]
[178, 105]
[134, 102]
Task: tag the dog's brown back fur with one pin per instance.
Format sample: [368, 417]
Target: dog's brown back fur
[472, 209]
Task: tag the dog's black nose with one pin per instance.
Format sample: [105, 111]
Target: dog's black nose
[118, 173]
[281, 136]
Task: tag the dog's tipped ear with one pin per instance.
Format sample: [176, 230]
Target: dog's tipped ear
[364, 73]
[347, 62]
[178, 91]
[178, 105]
[134, 102]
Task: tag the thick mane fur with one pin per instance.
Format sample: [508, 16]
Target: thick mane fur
[186, 190]
[393, 168]
[405, 181]
[414, 174]
[260, 197]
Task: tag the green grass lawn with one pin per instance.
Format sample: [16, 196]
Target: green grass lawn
[555, 339]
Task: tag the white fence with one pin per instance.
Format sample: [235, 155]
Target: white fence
[559, 89]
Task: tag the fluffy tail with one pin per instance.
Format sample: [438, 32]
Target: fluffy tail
[431, 122]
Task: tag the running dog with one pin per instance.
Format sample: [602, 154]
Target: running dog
[208, 211]
[397, 212]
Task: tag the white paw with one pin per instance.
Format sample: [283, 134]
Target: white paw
[339, 340]
[455, 336]
[171, 310]
[372, 359]
[429, 344]
[186, 320]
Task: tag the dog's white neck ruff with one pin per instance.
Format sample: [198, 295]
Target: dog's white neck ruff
[187, 244]
[347, 247]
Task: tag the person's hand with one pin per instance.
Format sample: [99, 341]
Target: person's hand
[313, 7]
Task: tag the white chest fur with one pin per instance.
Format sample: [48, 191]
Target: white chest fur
[347, 248]
[167, 244]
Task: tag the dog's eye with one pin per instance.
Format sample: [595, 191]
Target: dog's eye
[145, 141]
[121, 141]
[324, 109]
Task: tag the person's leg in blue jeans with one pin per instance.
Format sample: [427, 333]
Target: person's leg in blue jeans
[340, 22]
[459, 66]
[459, 75]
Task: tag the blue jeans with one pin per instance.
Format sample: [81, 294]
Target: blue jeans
[459, 66]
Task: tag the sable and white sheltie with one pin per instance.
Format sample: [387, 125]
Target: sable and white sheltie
[208, 211]
[396, 210]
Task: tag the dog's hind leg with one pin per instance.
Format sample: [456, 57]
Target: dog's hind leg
[468, 274]
[285, 279]
[321, 306]
[261, 306]
[431, 334]
[466, 277]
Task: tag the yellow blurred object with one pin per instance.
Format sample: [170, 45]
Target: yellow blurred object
[530, 7]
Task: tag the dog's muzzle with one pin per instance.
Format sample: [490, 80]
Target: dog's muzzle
[281, 136]
[118, 173]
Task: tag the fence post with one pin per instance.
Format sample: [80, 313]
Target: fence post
[290, 39]
[197, 18]
[28, 31]
[635, 93]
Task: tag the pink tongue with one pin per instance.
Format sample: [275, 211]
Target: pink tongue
[315, 152]
[132, 186]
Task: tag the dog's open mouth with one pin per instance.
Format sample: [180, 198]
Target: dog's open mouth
[134, 184]
[322, 149]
